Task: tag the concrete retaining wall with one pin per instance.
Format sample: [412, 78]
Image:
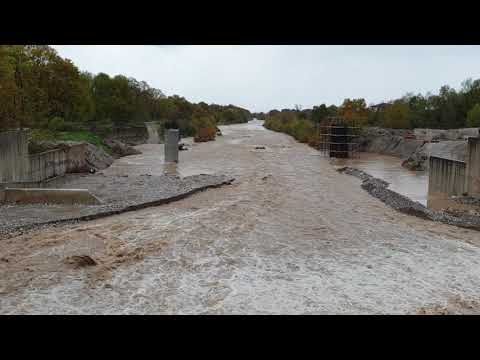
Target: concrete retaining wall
[47, 165]
[14, 163]
[446, 178]
[17, 167]
[473, 168]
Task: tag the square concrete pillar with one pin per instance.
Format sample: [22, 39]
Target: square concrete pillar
[171, 145]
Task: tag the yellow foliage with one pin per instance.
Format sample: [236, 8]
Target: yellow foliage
[205, 129]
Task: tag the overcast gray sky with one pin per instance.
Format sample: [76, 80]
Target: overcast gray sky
[261, 78]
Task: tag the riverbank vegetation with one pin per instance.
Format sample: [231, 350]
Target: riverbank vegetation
[449, 109]
[41, 90]
[205, 129]
[38, 138]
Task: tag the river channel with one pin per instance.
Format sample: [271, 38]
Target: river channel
[291, 235]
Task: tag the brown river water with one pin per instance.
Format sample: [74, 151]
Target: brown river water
[291, 235]
[413, 184]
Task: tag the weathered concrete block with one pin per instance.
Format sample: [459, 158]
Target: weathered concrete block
[50, 196]
[171, 145]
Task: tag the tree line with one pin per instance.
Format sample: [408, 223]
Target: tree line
[41, 90]
[446, 110]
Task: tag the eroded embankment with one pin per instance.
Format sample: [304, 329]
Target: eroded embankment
[415, 152]
[388, 142]
[379, 189]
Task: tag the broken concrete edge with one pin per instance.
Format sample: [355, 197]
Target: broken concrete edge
[21, 230]
[378, 188]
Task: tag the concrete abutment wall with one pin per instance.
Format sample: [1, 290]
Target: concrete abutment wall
[446, 178]
[47, 165]
[454, 178]
[473, 167]
[14, 162]
[17, 166]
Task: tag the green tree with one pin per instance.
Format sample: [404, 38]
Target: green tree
[473, 116]
[319, 113]
[397, 115]
[8, 89]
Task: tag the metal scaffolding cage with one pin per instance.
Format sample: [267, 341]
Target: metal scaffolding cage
[337, 137]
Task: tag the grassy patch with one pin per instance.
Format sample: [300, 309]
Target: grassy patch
[38, 135]
[83, 136]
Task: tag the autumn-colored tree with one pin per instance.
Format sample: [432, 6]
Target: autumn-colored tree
[205, 128]
[354, 110]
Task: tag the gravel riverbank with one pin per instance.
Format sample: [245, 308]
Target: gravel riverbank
[119, 193]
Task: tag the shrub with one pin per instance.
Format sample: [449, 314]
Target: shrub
[205, 134]
[56, 124]
[205, 129]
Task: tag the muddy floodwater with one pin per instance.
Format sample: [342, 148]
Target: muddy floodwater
[291, 235]
[413, 184]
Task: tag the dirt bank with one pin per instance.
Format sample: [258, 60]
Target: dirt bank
[291, 235]
[130, 135]
[416, 152]
[387, 142]
[119, 149]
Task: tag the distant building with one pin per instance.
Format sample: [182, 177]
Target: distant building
[378, 107]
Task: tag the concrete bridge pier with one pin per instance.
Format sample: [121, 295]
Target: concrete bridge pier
[171, 145]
